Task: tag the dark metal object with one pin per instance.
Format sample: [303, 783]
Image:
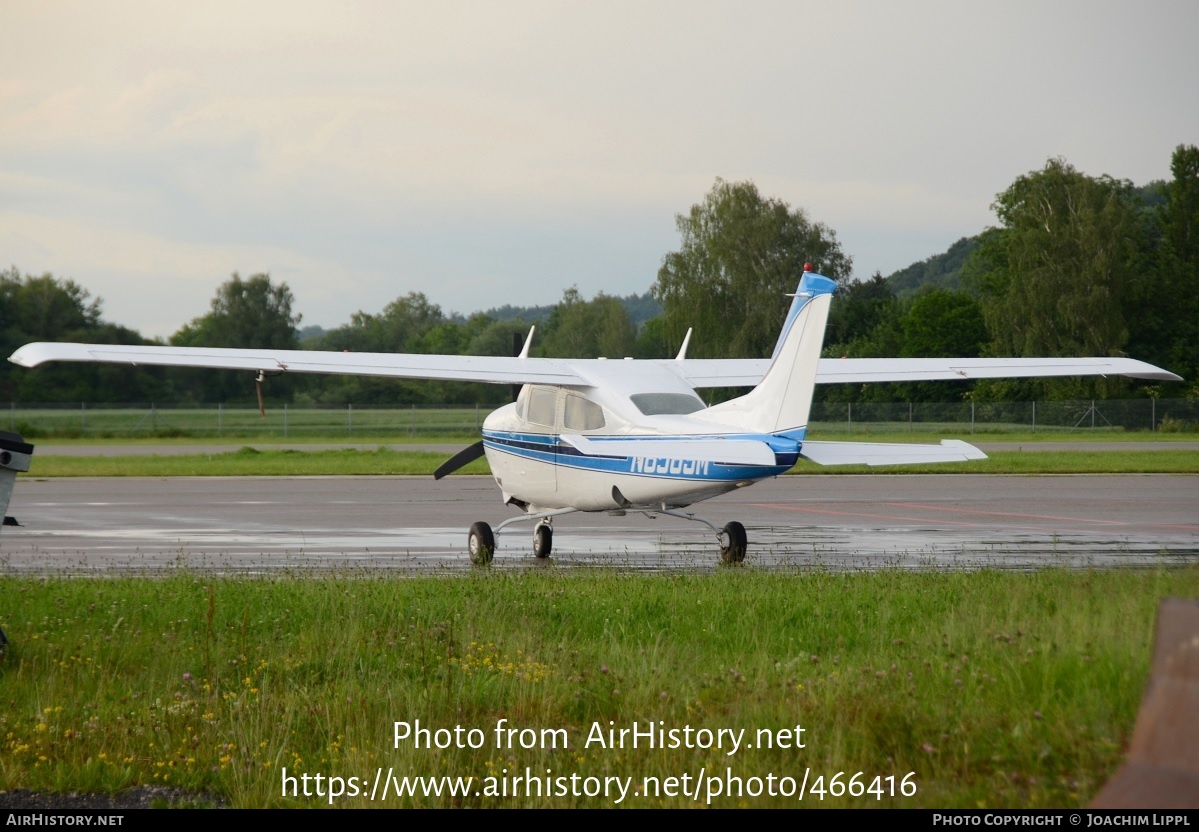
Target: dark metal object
[465, 456]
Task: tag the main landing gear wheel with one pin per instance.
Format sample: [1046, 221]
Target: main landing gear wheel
[543, 540]
[733, 543]
[481, 544]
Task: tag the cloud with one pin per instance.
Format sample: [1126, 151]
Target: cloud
[155, 285]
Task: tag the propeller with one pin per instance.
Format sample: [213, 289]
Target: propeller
[520, 349]
[465, 456]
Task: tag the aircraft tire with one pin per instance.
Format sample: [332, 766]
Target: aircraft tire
[733, 543]
[543, 540]
[481, 544]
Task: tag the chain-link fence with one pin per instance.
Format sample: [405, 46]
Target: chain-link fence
[338, 421]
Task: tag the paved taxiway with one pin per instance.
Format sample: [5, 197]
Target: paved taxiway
[265, 524]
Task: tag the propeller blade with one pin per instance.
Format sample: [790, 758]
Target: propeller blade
[465, 456]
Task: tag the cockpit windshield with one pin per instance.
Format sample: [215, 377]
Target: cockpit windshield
[667, 404]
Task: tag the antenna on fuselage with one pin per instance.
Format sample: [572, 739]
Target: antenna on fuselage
[524, 351]
[683, 349]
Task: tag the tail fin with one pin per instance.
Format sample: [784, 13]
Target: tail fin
[781, 401]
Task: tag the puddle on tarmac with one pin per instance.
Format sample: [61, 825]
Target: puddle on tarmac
[269, 550]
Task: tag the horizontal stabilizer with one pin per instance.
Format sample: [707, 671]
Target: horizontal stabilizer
[880, 453]
[732, 451]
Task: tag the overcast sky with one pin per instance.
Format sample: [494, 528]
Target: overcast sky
[499, 152]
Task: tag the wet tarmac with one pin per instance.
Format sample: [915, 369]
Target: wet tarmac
[267, 524]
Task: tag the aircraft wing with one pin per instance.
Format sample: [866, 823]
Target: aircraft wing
[492, 369]
[698, 372]
[879, 453]
[747, 372]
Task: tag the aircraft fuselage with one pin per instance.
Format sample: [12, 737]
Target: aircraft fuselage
[623, 442]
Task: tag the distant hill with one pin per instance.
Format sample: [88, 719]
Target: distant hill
[639, 307]
[310, 333]
[943, 271]
[530, 314]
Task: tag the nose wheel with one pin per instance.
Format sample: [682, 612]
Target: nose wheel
[543, 540]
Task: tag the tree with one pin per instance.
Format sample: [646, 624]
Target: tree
[1056, 278]
[1178, 283]
[859, 308]
[740, 255]
[47, 308]
[596, 328]
[250, 314]
[943, 324]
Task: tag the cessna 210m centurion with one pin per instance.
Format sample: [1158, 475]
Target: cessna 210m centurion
[633, 436]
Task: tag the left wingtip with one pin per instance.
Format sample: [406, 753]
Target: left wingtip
[25, 356]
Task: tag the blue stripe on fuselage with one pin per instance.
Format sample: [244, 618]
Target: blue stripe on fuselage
[549, 448]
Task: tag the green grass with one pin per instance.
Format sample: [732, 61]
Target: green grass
[990, 688]
[245, 423]
[251, 462]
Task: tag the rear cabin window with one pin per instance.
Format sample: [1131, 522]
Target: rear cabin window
[581, 414]
[541, 406]
[666, 404]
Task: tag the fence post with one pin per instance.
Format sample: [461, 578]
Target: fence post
[412, 422]
[1092, 414]
[971, 417]
[83, 417]
[849, 417]
[350, 418]
[220, 418]
[153, 419]
[1152, 413]
[1034, 416]
[285, 420]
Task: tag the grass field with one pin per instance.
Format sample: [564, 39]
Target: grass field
[982, 689]
[975, 689]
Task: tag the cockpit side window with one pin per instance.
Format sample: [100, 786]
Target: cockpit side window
[582, 414]
[541, 406]
[667, 404]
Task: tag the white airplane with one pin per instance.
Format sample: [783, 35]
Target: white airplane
[622, 436]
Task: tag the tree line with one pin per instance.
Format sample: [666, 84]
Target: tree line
[1077, 265]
